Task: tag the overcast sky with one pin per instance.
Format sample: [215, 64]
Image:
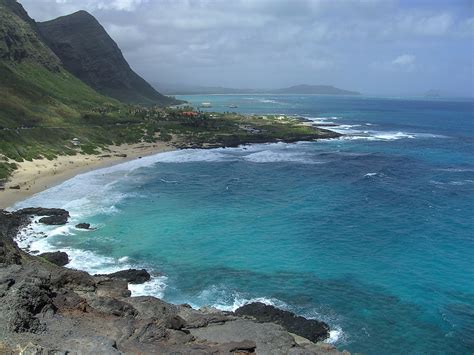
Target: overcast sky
[373, 46]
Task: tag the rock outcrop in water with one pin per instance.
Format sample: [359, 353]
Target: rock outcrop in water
[132, 276]
[309, 328]
[83, 226]
[46, 309]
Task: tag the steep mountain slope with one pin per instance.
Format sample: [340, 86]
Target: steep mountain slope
[89, 53]
[34, 86]
[19, 40]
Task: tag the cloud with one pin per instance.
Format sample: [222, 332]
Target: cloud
[402, 63]
[121, 5]
[246, 42]
[404, 60]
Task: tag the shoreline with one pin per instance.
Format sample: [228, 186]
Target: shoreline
[38, 175]
[32, 177]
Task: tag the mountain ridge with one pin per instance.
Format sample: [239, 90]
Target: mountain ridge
[315, 90]
[177, 89]
[99, 63]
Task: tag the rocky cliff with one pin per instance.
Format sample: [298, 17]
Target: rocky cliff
[47, 309]
[88, 52]
[19, 39]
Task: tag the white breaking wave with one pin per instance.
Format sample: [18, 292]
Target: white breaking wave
[271, 156]
[36, 237]
[226, 300]
[392, 135]
[311, 118]
[155, 287]
[222, 298]
[350, 134]
[335, 335]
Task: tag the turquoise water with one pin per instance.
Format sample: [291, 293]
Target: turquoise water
[372, 233]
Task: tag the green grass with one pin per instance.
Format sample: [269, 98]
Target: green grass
[32, 95]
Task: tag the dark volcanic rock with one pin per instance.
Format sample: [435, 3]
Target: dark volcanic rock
[308, 328]
[54, 216]
[30, 299]
[83, 226]
[10, 254]
[59, 258]
[39, 211]
[132, 276]
[54, 220]
[88, 52]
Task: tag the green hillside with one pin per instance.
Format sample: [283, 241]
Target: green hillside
[31, 94]
[34, 86]
[42, 105]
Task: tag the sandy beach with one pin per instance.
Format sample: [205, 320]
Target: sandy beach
[38, 175]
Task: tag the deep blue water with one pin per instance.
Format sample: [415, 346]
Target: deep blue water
[372, 233]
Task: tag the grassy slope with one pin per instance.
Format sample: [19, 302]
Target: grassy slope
[30, 94]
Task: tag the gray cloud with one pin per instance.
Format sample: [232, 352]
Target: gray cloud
[270, 43]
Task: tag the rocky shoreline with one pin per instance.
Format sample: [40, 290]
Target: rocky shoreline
[50, 309]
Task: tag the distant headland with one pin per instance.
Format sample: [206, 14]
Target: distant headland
[303, 89]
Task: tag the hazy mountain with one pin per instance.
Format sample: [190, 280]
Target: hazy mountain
[88, 52]
[183, 89]
[314, 89]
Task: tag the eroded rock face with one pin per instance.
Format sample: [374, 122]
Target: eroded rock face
[26, 301]
[308, 328]
[59, 258]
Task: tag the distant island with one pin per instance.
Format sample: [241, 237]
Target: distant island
[303, 89]
[314, 90]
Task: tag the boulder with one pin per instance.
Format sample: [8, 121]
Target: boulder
[59, 258]
[132, 276]
[54, 220]
[83, 226]
[311, 329]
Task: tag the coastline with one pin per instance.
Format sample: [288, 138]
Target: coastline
[32, 177]
[83, 313]
[35, 176]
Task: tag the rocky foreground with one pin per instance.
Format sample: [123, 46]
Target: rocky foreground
[50, 309]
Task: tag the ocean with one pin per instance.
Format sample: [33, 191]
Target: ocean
[372, 233]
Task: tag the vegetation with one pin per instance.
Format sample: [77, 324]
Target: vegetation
[117, 125]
